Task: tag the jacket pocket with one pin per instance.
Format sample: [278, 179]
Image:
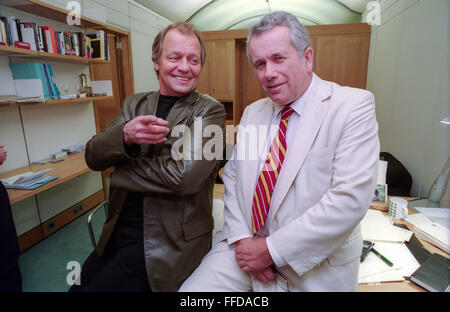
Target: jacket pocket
[197, 228]
[348, 252]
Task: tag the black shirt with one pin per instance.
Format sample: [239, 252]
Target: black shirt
[129, 228]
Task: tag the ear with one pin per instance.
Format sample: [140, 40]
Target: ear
[156, 65]
[309, 58]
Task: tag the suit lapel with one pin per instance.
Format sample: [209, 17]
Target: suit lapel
[307, 129]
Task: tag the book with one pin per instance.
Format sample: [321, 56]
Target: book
[48, 82]
[13, 28]
[435, 234]
[433, 274]
[3, 34]
[99, 44]
[9, 38]
[31, 71]
[28, 35]
[52, 79]
[415, 246]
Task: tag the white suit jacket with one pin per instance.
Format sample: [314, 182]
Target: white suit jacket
[324, 188]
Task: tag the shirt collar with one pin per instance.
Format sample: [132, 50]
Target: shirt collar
[298, 105]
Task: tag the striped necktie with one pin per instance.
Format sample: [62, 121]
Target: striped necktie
[269, 173]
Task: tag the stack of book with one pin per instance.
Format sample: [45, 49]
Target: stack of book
[28, 35]
[23, 72]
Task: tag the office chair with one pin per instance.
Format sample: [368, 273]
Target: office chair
[398, 178]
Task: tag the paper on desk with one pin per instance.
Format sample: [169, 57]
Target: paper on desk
[374, 270]
[437, 215]
[377, 227]
[433, 232]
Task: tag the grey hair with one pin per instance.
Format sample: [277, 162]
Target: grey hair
[299, 35]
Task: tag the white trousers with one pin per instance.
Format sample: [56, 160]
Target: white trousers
[220, 272]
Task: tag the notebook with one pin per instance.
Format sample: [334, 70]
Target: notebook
[433, 274]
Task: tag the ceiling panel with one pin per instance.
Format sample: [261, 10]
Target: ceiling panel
[235, 14]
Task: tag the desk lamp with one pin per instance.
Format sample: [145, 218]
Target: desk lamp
[437, 190]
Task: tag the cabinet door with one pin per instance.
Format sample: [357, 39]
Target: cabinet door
[205, 84]
[217, 76]
[342, 59]
[223, 72]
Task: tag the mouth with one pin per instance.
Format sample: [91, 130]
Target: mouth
[274, 87]
[181, 78]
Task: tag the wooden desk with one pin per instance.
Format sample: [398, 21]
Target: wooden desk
[71, 167]
[402, 286]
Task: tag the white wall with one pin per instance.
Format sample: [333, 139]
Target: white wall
[144, 26]
[409, 76]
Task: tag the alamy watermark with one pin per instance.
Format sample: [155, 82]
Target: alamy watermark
[373, 13]
[73, 277]
[74, 16]
[207, 142]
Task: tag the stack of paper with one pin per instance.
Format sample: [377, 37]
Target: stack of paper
[28, 180]
[433, 232]
[374, 270]
[389, 241]
[377, 227]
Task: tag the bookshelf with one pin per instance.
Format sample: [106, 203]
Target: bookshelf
[18, 52]
[55, 13]
[60, 101]
[31, 130]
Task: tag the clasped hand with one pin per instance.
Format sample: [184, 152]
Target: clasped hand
[145, 129]
[254, 258]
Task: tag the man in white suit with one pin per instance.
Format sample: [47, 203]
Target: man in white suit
[292, 220]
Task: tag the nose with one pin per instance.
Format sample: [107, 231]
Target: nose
[270, 73]
[183, 65]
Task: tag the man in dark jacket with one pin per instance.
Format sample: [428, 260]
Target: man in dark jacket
[160, 207]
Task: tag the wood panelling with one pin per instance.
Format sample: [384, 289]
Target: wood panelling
[217, 70]
[30, 238]
[250, 89]
[342, 59]
[70, 214]
[341, 54]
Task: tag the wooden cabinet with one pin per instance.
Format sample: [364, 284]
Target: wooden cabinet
[342, 59]
[219, 68]
[341, 54]
[40, 212]
[217, 76]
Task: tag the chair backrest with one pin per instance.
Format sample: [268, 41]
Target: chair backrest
[398, 178]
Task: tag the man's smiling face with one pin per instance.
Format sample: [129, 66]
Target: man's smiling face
[179, 65]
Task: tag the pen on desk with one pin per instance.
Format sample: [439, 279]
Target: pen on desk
[385, 260]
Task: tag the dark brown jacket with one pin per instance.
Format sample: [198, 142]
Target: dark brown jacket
[178, 193]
